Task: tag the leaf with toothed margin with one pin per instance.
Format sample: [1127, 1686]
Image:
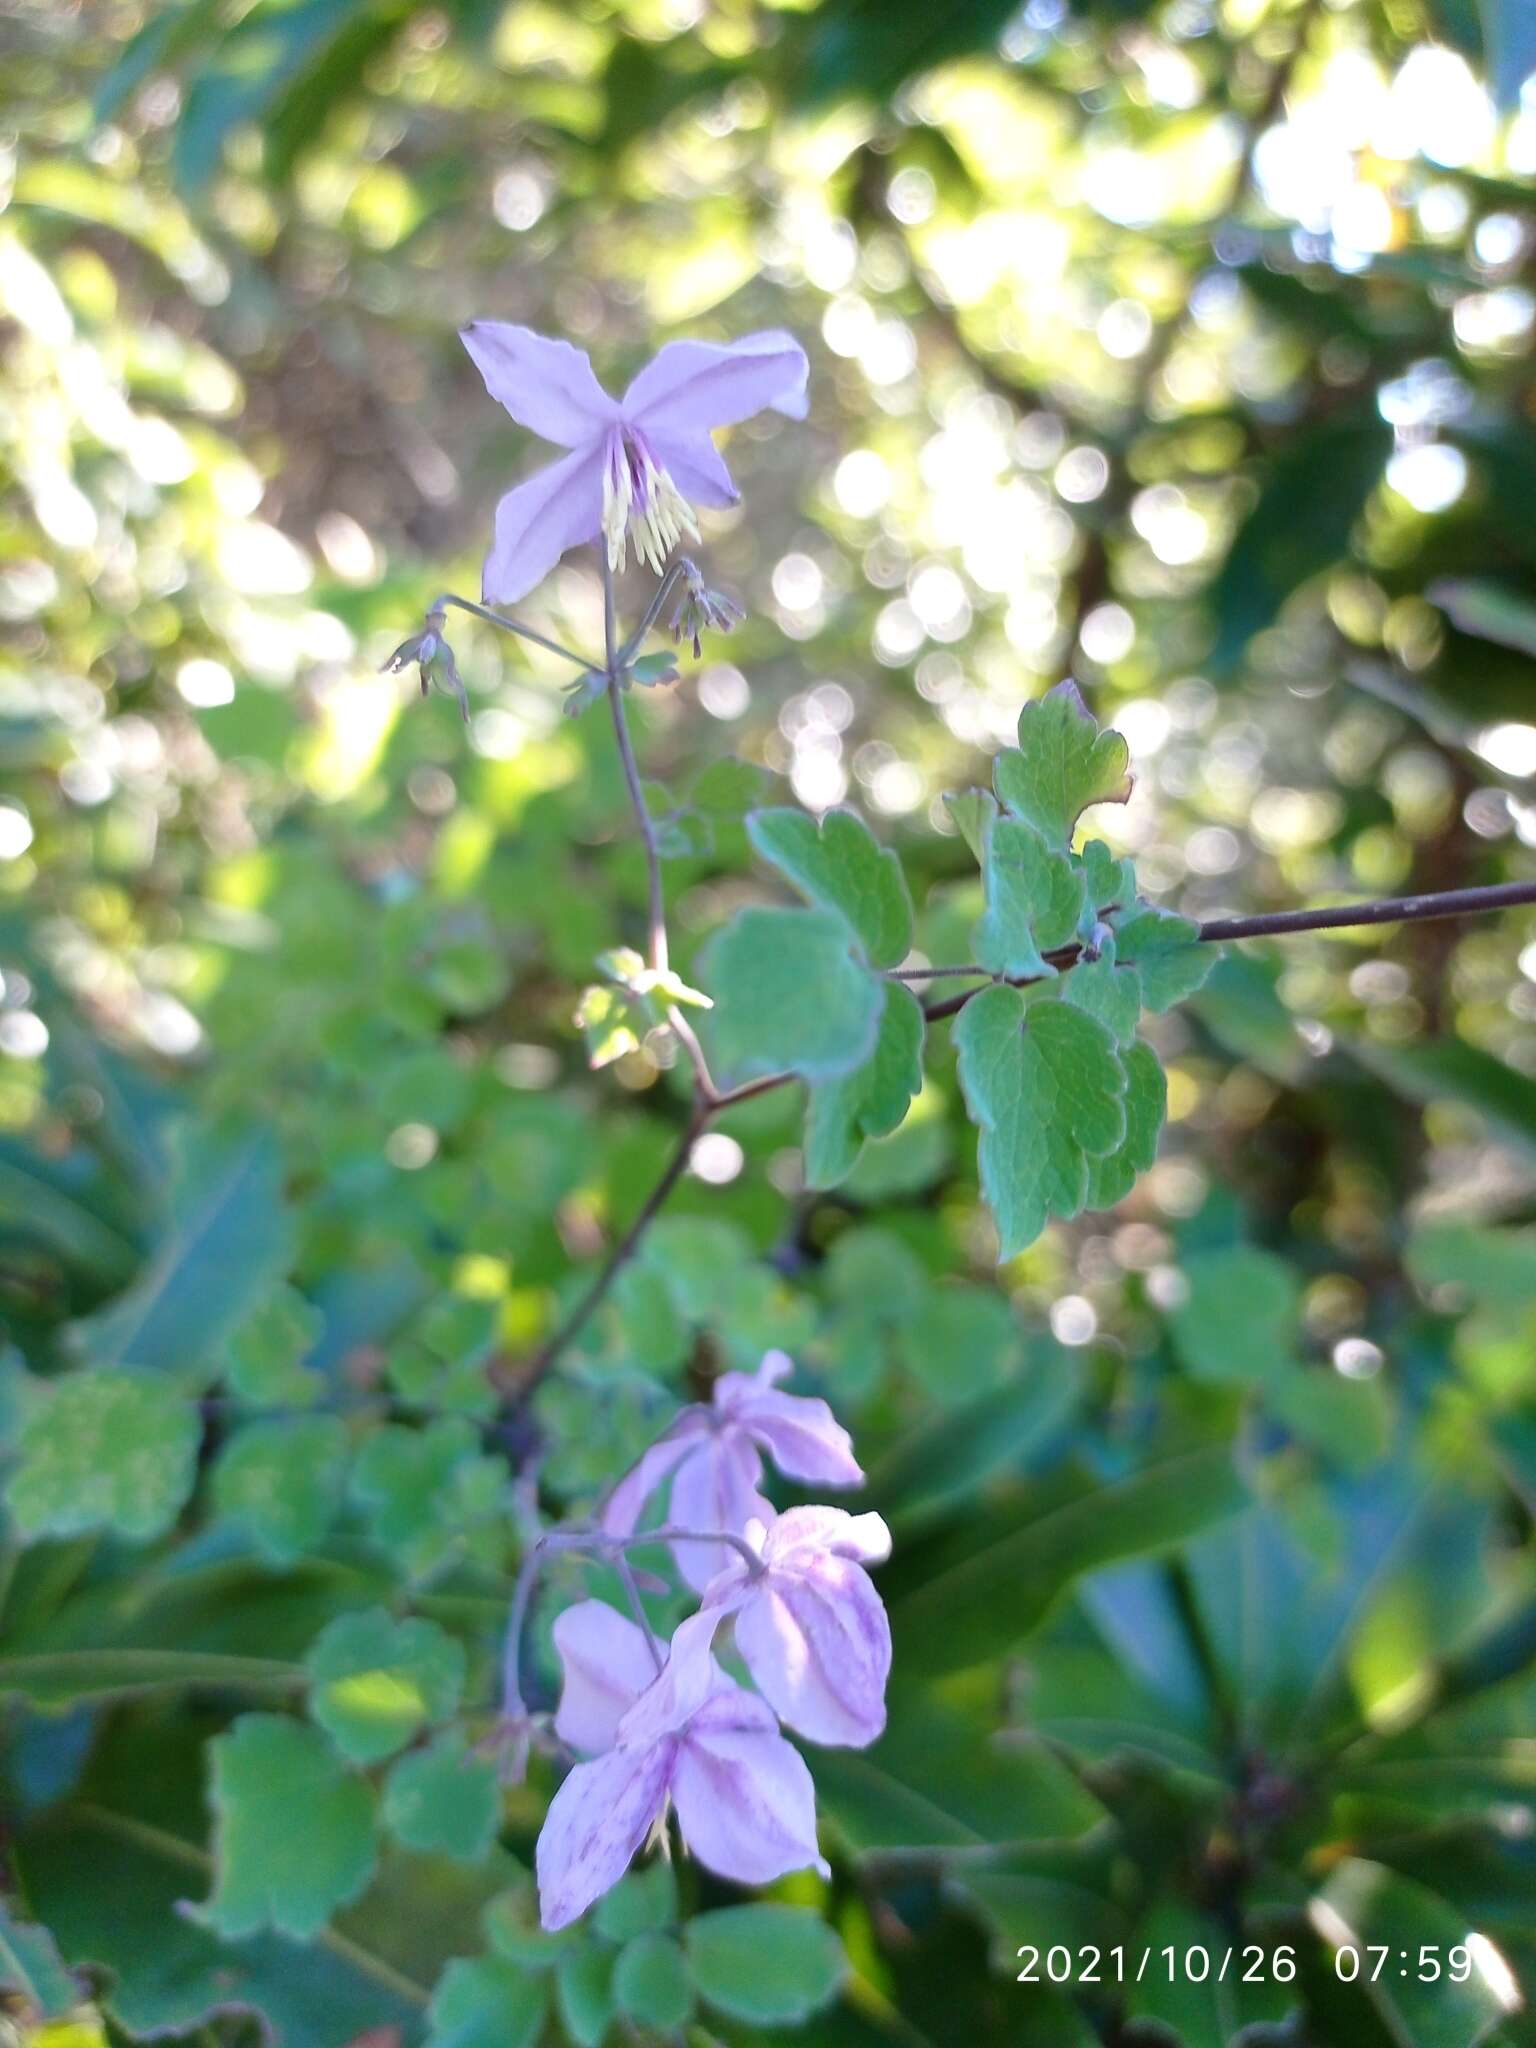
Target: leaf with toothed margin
[840, 866]
[1046, 1087]
[1034, 900]
[1106, 990]
[294, 1829]
[1110, 883]
[1111, 1178]
[871, 1101]
[1166, 950]
[1063, 764]
[790, 997]
[973, 811]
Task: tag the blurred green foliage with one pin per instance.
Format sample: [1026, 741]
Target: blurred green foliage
[1185, 348]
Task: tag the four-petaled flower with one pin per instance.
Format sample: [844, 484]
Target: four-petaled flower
[637, 464]
[810, 1626]
[689, 1737]
[714, 1458]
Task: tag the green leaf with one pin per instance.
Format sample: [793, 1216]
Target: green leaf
[584, 1994]
[974, 1591]
[656, 1333]
[1166, 951]
[1045, 1086]
[769, 1964]
[1107, 990]
[1295, 530]
[110, 1870]
[973, 811]
[1364, 1903]
[840, 866]
[266, 1352]
[789, 996]
[444, 1798]
[1063, 765]
[226, 1243]
[651, 1984]
[34, 1984]
[1111, 1178]
[377, 1681]
[104, 1450]
[641, 1903]
[428, 1491]
[961, 1341]
[284, 1481]
[872, 1100]
[294, 1830]
[1263, 1347]
[940, 1779]
[486, 2002]
[950, 1458]
[1034, 900]
[1449, 1069]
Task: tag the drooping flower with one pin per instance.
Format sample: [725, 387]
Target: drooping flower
[714, 1458]
[700, 610]
[433, 656]
[690, 1737]
[809, 1624]
[638, 464]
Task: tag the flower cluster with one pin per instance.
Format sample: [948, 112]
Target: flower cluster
[665, 1727]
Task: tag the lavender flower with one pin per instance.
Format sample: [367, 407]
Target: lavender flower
[690, 1738]
[637, 465]
[714, 1458]
[809, 1624]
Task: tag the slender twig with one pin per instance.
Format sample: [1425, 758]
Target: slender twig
[620, 1256]
[1384, 910]
[516, 626]
[664, 589]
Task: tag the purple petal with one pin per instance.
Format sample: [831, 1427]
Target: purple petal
[556, 508]
[716, 1488]
[818, 1645]
[744, 1797]
[607, 1666]
[547, 386]
[695, 465]
[706, 384]
[596, 1822]
[800, 1534]
[801, 1435]
[688, 1678]
[623, 1508]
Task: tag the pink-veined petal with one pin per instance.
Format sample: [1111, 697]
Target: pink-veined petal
[548, 386]
[806, 1532]
[715, 1488]
[818, 1645]
[801, 1435]
[745, 1801]
[596, 1822]
[606, 1665]
[623, 1508]
[706, 384]
[558, 506]
[685, 1681]
[695, 465]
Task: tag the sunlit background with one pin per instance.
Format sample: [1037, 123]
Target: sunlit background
[1185, 349]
